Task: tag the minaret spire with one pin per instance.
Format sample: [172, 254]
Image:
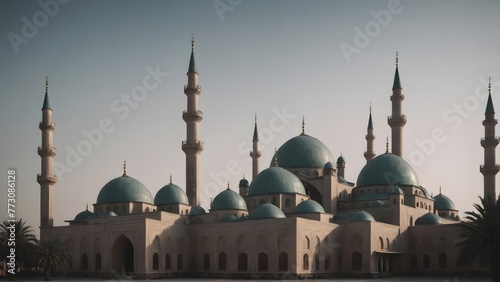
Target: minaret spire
[124, 168]
[397, 120]
[46, 178]
[192, 146]
[255, 153]
[369, 154]
[489, 143]
[303, 126]
[387, 145]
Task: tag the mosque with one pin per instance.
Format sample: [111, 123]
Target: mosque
[297, 218]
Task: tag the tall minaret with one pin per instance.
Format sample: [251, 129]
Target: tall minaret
[397, 120]
[46, 178]
[489, 143]
[192, 146]
[255, 153]
[369, 154]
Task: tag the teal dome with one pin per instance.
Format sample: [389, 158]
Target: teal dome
[228, 200]
[397, 191]
[428, 219]
[275, 180]
[303, 151]
[267, 211]
[328, 165]
[243, 183]
[387, 169]
[362, 216]
[309, 206]
[170, 194]
[341, 159]
[197, 210]
[124, 189]
[83, 216]
[229, 217]
[441, 202]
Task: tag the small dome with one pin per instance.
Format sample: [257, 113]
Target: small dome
[362, 216]
[309, 206]
[243, 183]
[441, 202]
[303, 151]
[170, 194]
[428, 219]
[124, 189]
[197, 210]
[276, 180]
[267, 211]
[83, 216]
[387, 169]
[328, 165]
[341, 159]
[397, 191]
[229, 217]
[228, 200]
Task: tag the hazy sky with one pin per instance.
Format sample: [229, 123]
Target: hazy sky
[325, 60]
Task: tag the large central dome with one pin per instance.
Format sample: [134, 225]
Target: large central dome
[303, 151]
[124, 189]
[387, 169]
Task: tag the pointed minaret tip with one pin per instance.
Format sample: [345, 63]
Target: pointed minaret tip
[46, 102]
[255, 132]
[170, 178]
[489, 106]
[124, 167]
[397, 81]
[303, 126]
[387, 145]
[228, 185]
[192, 65]
[370, 122]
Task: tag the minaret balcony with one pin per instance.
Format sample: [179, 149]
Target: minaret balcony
[192, 88]
[489, 169]
[192, 146]
[50, 126]
[46, 179]
[491, 141]
[256, 154]
[396, 120]
[192, 116]
[47, 151]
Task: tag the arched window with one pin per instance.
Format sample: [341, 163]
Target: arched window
[381, 241]
[206, 262]
[283, 261]
[179, 262]
[287, 203]
[155, 261]
[357, 261]
[305, 262]
[98, 264]
[222, 261]
[85, 262]
[167, 262]
[443, 260]
[242, 262]
[426, 261]
[308, 243]
[263, 262]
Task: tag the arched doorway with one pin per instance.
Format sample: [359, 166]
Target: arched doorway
[313, 193]
[123, 255]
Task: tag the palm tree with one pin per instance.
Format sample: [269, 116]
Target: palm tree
[51, 255]
[24, 240]
[481, 236]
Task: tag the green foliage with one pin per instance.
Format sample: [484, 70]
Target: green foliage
[51, 255]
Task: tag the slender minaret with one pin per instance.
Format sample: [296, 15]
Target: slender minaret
[397, 120]
[369, 154]
[341, 166]
[46, 178]
[489, 143]
[255, 153]
[192, 146]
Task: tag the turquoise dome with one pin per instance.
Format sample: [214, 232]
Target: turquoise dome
[341, 159]
[275, 180]
[428, 219]
[441, 202]
[387, 169]
[229, 217]
[243, 183]
[124, 189]
[397, 191]
[309, 206]
[83, 216]
[228, 200]
[328, 165]
[362, 216]
[170, 194]
[303, 151]
[267, 211]
[197, 210]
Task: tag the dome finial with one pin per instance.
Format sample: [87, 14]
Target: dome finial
[87, 206]
[244, 176]
[124, 167]
[275, 157]
[489, 84]
[387, 145]
[228, 185]
[170, 178]
[192, 41]
[439, 190]
[303, 126]
[397, 58]
[46, 83]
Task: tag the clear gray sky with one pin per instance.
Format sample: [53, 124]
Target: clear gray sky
[325, 60]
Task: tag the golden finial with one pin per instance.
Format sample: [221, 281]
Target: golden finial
[192, 41]
[46, 83]
[489, 84]
[303, 126]
[397, 59]
[275, 157]
[170, 178]
[124, 167]
[387, 145]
